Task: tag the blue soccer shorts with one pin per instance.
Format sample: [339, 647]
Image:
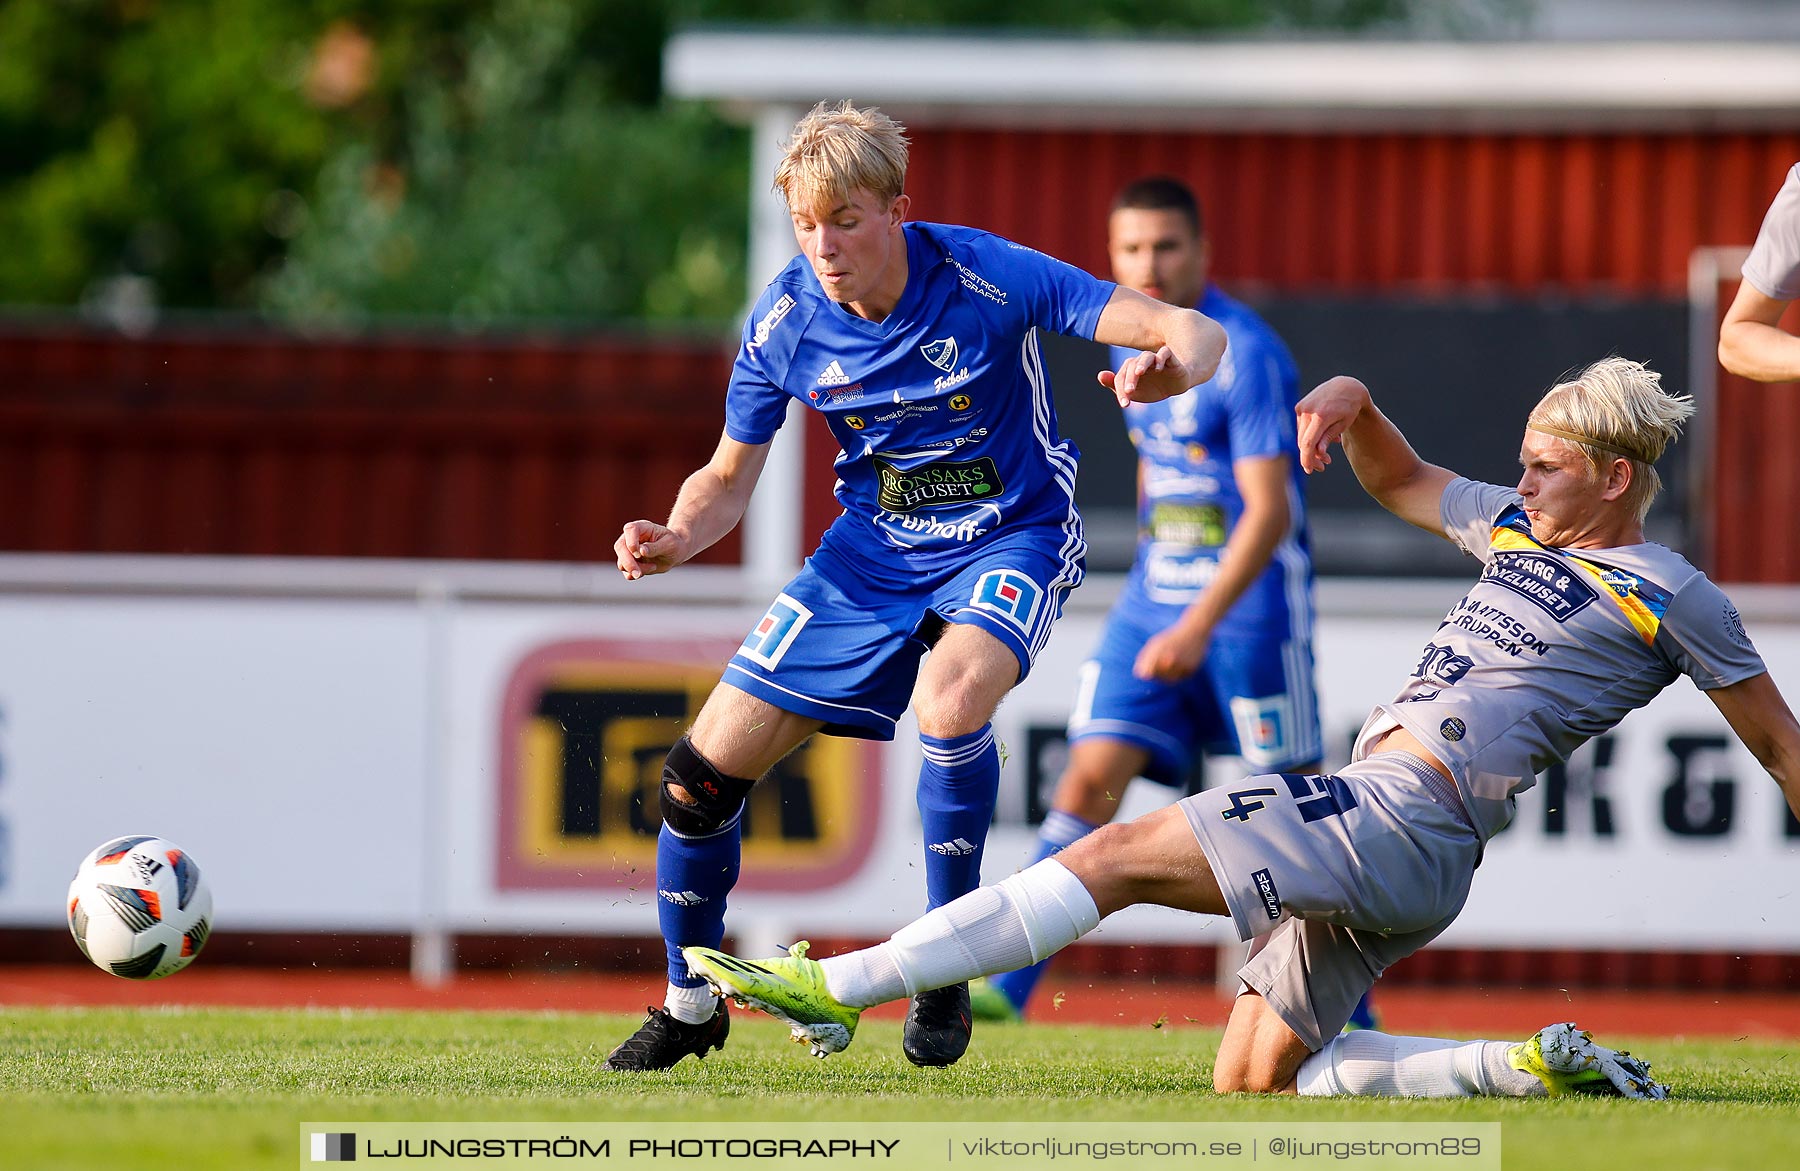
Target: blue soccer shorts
[842, 643]
[1252, 697]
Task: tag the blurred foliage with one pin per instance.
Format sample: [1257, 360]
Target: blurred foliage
[487, 160]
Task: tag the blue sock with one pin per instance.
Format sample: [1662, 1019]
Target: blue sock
[958, 785]
[1363, 1015]
[1059, 831]
[693, 876]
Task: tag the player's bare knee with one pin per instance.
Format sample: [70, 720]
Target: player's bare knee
[1091, 796]
[950, 713]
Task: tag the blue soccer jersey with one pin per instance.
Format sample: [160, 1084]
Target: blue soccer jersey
[1189, 500]
[943, 409]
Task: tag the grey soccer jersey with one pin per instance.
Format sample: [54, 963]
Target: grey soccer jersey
[1552, 647]
[1774, 264]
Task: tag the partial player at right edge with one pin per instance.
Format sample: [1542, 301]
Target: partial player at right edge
[1575, 622]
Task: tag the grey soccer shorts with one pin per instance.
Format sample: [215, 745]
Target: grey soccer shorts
[1335, 878]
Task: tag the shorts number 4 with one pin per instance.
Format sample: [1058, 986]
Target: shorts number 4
[1316, 798]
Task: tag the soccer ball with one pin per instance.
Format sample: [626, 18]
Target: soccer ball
[139, 908]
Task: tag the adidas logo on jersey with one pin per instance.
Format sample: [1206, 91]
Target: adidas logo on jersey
[956, 849]
[833, 375]
[682, 898]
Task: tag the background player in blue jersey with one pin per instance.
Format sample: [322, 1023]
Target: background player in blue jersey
[1209, 648]
[918, 344]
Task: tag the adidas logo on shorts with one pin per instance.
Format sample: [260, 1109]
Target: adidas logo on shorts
[956, 849]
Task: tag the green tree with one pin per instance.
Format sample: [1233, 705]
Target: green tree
[329, 161]
[531, 176]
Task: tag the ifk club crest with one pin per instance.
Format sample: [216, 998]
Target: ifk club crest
[584, 727]
[941, 353]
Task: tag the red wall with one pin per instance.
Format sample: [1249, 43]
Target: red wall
[526, 449]
[1427, 213]
[537, 448]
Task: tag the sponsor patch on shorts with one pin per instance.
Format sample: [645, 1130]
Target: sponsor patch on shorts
[1010, 594]
[1265, 886]
[1264, 727]
[772, 636]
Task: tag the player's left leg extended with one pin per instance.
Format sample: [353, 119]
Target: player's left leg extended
[1087, 796]
[1018, 921]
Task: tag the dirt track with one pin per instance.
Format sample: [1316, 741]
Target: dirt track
[1407, 1010]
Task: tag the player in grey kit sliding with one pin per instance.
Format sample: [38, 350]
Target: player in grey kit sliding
[1575, 622]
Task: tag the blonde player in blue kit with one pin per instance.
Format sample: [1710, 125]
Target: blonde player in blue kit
[917, 342]
[1575, 622]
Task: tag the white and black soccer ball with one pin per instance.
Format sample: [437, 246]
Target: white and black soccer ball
[139, 908]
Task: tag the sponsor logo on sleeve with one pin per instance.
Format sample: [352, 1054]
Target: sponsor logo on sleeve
[976, 283]
[1734, 627]
[770, 320]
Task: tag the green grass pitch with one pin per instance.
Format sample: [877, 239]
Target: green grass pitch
[202, 1089]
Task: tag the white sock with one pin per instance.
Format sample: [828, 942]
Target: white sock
[1376, 1065]
[1014, 923]
[690, 1006]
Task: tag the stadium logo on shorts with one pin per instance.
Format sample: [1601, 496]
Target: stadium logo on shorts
[1009, 594]
[1271, 898]
[776, 632]
[1453, 729]
[941, 353]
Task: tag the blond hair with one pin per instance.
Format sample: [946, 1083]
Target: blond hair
[1616, 409]
[836, 149]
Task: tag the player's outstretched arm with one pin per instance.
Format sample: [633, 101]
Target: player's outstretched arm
[709, 505]
[1752, 344]
[1178, 348]
[1756, 711]
[1341, 410]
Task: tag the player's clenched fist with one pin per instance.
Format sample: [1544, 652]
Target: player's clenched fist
[646, 547]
